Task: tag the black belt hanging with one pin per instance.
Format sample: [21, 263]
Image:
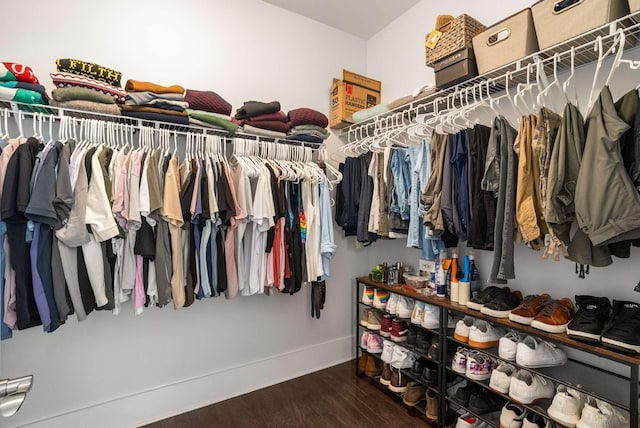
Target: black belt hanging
[318, 296]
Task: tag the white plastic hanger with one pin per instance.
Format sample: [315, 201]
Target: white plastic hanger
[601, 56]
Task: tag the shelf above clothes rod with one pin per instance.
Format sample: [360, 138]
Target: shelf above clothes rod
[56, 113]
[518, 71]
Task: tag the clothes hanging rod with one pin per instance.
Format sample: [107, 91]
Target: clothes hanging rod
[581, 45]
[56, 113]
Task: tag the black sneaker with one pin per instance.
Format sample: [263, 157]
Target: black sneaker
[622, 332]
[412, 335]
[462, 395]
[423, 341]
[589, 320]
[485, 296]
[429, 376]
[482, 401]
[502, 304]
[418, 367]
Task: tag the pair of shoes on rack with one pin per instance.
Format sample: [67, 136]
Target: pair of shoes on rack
[544, 313]
[473, 364]
[476, 398]
[495, 301]
[395, 359]
[469, 421]
[392, 303]
[478, 333]
[371, 342]
[569, 408]
[513, 415]
[368, 365]
[427, 316]
[529, 351]
[616, 326]
[394, 328]
[521, 385]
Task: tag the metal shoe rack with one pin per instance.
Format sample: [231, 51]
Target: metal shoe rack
[605, 375]
[421, 406]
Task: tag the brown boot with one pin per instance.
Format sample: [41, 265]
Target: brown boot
[385, 379]
[432, 405]
[373, 367]
[414, 394]
[362, 362]
[398, 381]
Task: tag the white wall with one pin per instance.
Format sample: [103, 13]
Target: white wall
[125, 371]
[396, 56]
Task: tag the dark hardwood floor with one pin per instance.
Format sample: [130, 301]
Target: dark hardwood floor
[333, 397]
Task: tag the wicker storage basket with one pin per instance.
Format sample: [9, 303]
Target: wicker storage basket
[462, 30]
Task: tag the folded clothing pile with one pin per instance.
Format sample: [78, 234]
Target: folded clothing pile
[150, 101]
[82, 85]
[307, 125]
[18, 83]
[263, 119]
[208, 109]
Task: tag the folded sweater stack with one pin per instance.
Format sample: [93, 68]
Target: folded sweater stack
[308, 125]
[208, 109]
[263, 119]
[18, 83]
[82, 85]
[150, 101]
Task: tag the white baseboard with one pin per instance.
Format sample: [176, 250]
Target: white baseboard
[185, 395]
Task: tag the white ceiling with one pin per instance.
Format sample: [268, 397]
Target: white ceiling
[362, 18]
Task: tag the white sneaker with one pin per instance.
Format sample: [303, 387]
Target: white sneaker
[381, 298]
[416, 315]
[599, 414]
[402, 358]
[511, 416]
[459, 361]
[467, 421]
[363, 340]
[479, 366]
[387, 351]
[462, 329]
[405, 307]
[392, 303]
[525, 387]
[508, 345]
[483, 335]
[501, 378]
[566, 406]
[431, 316]
[367, 295]
[535, 353]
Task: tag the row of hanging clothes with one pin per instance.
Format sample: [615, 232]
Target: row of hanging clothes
[103, 215]
[524, 167]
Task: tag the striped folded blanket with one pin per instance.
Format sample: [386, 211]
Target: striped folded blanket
[67, 80]
[90, 70]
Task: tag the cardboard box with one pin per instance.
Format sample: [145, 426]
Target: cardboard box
[455, 68]
[349, 95]
[507, 41]
[557, 21]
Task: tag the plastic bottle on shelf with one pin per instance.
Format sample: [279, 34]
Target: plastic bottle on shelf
[441, 276]
[474, 276]
[454, 277]
[464, 287]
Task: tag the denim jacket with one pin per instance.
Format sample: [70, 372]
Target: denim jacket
[400, 167]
